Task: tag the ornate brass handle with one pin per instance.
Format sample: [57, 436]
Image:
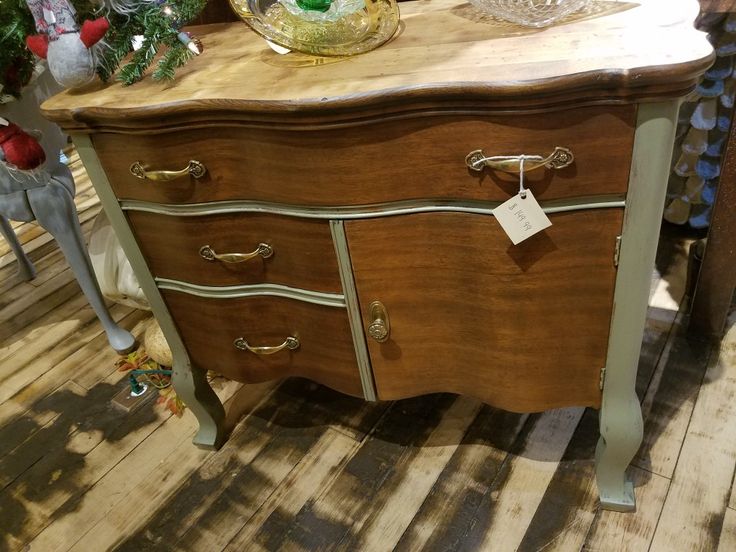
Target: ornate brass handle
[380, 327]
[558, 159]
[263, 249]
[195, 169]
[290, 343]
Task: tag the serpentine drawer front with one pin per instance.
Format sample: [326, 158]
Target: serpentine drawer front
[223, 250]
[324, 353]
[336, 220]
[392, 160]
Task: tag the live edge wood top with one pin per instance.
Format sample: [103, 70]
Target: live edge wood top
[445, 55]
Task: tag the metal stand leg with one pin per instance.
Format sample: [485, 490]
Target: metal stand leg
[25, 267]
[53, 207]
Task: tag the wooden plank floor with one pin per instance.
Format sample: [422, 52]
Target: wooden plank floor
[309, 469]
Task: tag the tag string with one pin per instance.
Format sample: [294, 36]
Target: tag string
[522, 190]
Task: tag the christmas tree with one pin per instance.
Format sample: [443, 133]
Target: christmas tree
[16, 61]
[155, 25]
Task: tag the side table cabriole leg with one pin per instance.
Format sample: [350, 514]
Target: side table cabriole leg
[53, 207]
[190, 382]
[25, 267]
[192, 387]
[620, 417]
[621, 430]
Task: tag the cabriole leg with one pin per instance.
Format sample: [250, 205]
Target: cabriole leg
[190, 383]
[621, 429]
[621, 423]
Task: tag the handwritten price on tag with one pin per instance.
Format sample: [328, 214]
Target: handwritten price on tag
[519, 214]
[521, 218]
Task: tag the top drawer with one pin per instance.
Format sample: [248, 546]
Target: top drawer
[390, 160]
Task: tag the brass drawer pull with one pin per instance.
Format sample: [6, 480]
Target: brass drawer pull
[380, 327]
[290, 343]
[558, 159]
[263, 249]
[195, 169]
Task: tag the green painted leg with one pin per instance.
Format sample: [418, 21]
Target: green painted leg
[621, 429]
[190, 382]
[191, 385]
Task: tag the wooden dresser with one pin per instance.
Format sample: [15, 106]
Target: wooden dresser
[292, 216]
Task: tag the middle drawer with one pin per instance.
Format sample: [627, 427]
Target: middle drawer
[301, 251]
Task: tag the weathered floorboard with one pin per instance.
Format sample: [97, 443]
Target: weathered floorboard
[464, 493]
[669, 403]
[123, 497]
[528, 475]
[727, 540]
[387, 522]
[218, 498]
[315, 472]
[31, 363]
[630, 532]
[700, 489]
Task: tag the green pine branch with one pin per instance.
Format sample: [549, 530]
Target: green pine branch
[176, 56]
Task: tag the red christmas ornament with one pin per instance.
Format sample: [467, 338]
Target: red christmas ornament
[38, 44]
[93, 31]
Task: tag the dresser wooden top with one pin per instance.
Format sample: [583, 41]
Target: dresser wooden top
[445, 55]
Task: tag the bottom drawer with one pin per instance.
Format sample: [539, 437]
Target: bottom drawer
[209, 328]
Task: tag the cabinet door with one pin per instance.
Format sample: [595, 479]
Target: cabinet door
[523, 327]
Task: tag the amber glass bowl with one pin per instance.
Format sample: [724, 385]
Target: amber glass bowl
[348, 27]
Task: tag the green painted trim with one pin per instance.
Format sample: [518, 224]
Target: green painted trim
[620, 417]
[234, 292]
[361, 211]
[190, 382]
[351, 298]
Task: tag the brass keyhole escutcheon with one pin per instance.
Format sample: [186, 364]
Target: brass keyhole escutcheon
[380, 327]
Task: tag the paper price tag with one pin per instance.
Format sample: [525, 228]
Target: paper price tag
[521, 218]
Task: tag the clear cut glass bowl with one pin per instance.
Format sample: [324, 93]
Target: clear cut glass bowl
[346, 28]
[531, 13]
